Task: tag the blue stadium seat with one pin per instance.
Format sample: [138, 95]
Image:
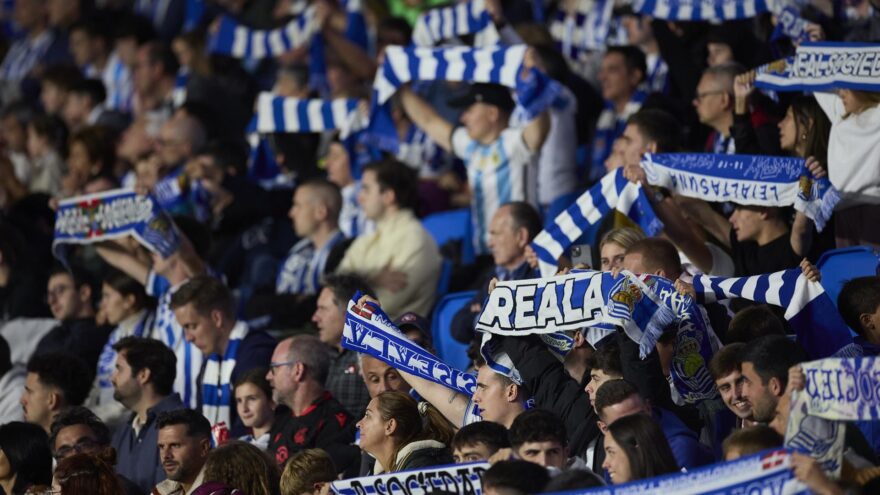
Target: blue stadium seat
[839, 265]
[452, 225]
[445, 278]
[451, 351]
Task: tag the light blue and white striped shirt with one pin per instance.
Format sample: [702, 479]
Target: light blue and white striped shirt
[24, 55]
[117, 82]
[301, 272]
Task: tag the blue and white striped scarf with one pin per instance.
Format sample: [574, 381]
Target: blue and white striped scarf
[701, 10]
[178, 195]
[460, 19]
[217, 398]
[609, 127]
[744, 179]
[280, 114]
[646, 306]
[613, 192]
[454, 478]
[242, 42]
[371, 332]
[819, 327]
[583, 29]
[789, 24]
[823, 66]
[534, 91]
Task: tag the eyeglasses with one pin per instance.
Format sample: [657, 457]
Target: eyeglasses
[272, 366]
[699, 97]
[84, 445]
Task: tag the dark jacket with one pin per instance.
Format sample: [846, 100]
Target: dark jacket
[81, 337]
[426, 453]
[137, 456]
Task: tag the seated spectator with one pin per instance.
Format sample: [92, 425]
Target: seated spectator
[242, 466]
[400, 259]
[635, 449]
[12, 380]
[753, 322]
[478, 441]
[78, 431]
[25, 448]
[538, 436]
[205, 309]
[45, 137]
[512, 228]
[85, 107]
[142, 382]
[380, 377]
[184, 444]
[514, 477]
[313, 418]
[726, 370]
[125, 305]
[750, 440]
[255, 407]
[54, 381]
[618, 398]
[72, 296]
[343, 380]
[308, 473]
[87, 473]
[403, 434]
[859, 305]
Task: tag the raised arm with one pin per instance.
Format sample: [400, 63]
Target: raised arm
[124, 261]
[451, 404]
[426, 118]
[535, 132]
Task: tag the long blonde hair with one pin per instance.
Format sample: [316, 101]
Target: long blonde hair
[415, 421]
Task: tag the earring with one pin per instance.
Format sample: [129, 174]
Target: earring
[803, 137]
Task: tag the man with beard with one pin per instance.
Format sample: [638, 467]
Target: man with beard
[184, 444]
[142, 382]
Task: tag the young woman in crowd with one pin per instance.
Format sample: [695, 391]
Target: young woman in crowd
[614, 244]
[253, 401]
[404, 434]
[125, 305]
[635, 449]
[87, 473]
[25, 458]
[240, 465]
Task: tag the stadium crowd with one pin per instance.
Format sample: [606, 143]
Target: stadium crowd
[209, 346]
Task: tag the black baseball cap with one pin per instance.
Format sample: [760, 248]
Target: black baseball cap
[491, 94]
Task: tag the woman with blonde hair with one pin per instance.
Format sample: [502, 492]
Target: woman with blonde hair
[402, 434]
[242, 466]
[614, 244]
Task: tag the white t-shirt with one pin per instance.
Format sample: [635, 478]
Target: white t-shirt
[497, 174]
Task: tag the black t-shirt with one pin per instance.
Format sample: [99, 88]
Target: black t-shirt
[751, 259]
[324, 425]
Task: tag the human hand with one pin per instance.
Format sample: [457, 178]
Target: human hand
[531, 257]
[685, 288]
[636, 174]
[492, 284]
[797, 380]
[815, 167]
[810, 271]
[807, 470]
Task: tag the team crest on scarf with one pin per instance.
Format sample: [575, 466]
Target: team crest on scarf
[628, 296]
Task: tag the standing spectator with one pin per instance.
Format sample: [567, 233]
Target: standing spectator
[313, 418]
[243, 466]
[499, 159]
[765, 364]
[380, 377]
[714, 103]
[343, 380]
[635, 449]
[205, 309]
[54, 381]
[255, 407]
[142, 381]
[72, 295]
[499, 398]
[400, 259]
[25, 449]
[184, 444]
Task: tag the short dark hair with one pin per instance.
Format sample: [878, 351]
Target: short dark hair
[752, 440]
[727, 360]
[516, 475]
[771, 357]
[658, 254]
[257, 378]
[525, 216]
[206, 294]
[94, 28]
[659, 126]
[537, 425]
[161, 53]
[142, 353]
[633, 57]
[401, 179]
[227, 155]
[66, 372]
[100, 145]
[573, 479]
[50, 127]
[493, 435]
[197, 426]
[80, 276]
[62, 75]
[345, 285]
[857, 297]
[79, 415]
[607, 358]
[613, 392]
[93, 88]
[752, 322]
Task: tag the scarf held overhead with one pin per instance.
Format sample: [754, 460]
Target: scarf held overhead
[461, 479]
[280, 114]
[613, 192]
[744, 179]
[824, 66]
[111, 215]
[371, 332]
[237, 41]
[701, 10]
[460, 19]
[584, 28]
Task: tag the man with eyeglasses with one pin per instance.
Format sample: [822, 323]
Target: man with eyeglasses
[78, 431]
[71, 296]
[312, 418]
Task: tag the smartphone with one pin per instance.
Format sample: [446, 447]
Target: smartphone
[582, 254]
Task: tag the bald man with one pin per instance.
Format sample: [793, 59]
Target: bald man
[179, 139]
